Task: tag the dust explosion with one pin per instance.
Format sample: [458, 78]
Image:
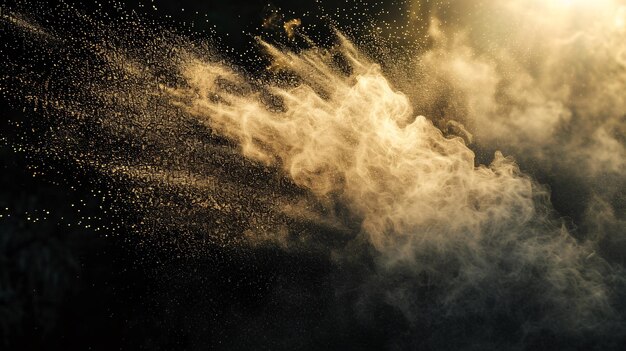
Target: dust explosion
[370, 161]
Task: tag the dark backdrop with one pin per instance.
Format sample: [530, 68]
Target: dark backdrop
[73, 277]
[65, 285]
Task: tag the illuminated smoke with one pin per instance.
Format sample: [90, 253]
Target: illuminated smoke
[543, 80]
[429, 212]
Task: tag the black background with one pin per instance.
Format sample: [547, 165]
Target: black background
[70, 287]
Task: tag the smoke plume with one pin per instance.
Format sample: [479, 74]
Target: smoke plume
[541, 80]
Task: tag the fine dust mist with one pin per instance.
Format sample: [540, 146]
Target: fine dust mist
[370, 161]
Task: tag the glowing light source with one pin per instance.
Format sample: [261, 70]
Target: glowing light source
[620, 18]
